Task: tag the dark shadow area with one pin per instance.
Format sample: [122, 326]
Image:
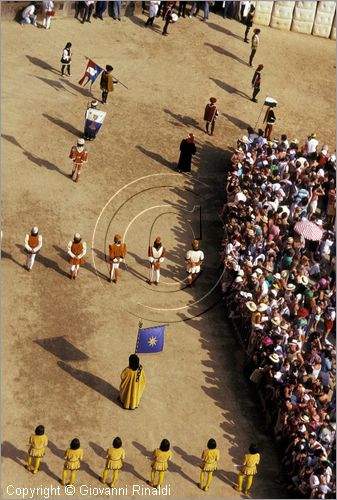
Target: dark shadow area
[236, 121]
[51, 264]
[89, 267]
[157, 157]
[6, 255]
[62, 349]
[185, 120]
[55, 450]
[40, 162]
[81, 90]
[100, 452]
[227, 476]
[61, 252]
[225, 31]
[226, 53]
[229, 88]
[54, 84]
[191, 459]
[146, 453]
[12, 140]
[65, 125]
[138, 21]
[42, 64]
[44, 468]
[8, 450]
[86, 468]
[127, 467]
[92, 381]
[176, 469]
[101, 255]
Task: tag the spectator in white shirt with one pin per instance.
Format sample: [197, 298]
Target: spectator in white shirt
[48, 9]
[28, 15]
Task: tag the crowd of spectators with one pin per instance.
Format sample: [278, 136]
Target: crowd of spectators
[279, 290]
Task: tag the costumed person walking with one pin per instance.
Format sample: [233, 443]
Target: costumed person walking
[194, 260]
[209, 457]
[107, 83]
[48, 13]
[79, 155]
[187, 150]
[254, 46]
[156, 254]
[153, 9]
[161, 457]
[77, 250]
[269, 119]
[73, 457]
[37, 445]
[117, 253]
[94, 119]
[256, 82]
[66, 59]
[33, 244]
[250, 461]
[167, 18]
[249, 21]
[114, 461]
[210, 115]
[132, 383]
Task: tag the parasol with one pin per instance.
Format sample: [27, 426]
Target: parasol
[309, 230]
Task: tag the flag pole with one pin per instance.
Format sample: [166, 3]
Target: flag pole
[257, 121]
[140, 325]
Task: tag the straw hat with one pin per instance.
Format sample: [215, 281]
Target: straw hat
[284, 274]
[276, 321]
[305, 419]
[251, 306]
[262, 307]
[244, 139]
[291, 287]
[277, 276]
[274, 358]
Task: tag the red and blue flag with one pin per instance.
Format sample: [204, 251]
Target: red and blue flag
[91, 73]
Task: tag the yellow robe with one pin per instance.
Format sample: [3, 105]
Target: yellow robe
[161, 459]
[249, 464]
[209, 460]
[73, 459]
[37, 445]
[130, 390]
[115, 457]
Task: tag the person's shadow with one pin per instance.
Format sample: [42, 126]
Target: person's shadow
[92, 381]
[144, 451]
[43, 163]
[191, 459]
[228, 88]
[65, 125]
[42, 64]
[8, 450]
[55, 450]
[185, 120]
[157, 157]
[100, 452]
[6, 255]
[226, 53]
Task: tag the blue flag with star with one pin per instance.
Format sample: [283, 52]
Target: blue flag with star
[150, 339]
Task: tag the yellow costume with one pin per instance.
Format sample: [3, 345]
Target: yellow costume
[161, 459]
[72, 462]
[36, 450]
[248, 469]
[131, 389]
[115, 457]
[160, 464]
[209, 465]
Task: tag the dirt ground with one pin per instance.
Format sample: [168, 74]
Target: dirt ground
[64, 343]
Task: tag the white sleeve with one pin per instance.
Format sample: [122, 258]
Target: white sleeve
[202, 256]
[27, 247]
[69, 249]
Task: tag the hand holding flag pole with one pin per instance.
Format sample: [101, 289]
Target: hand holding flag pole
[88, 58]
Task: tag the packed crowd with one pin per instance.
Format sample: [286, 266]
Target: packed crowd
[279, 286]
